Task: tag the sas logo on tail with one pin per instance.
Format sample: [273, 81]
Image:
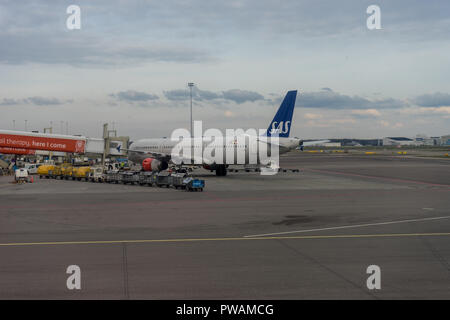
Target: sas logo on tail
[282, 127]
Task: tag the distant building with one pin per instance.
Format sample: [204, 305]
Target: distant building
[398, 141]
[422, 139]
[436, 141]
[357, 142]
[445, 140]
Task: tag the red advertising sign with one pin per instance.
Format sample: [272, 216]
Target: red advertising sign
[22, 141]
[6, 150]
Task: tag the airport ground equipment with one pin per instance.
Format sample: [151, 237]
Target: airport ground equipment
[130, 177]
[176, 180]
[162, 179]
[147, 177]
[260, 169]
[43, 171]
[63, 171]
[113, 177]
[179, 179]
[3, 164]
[193, 184]
[67, 172]
[6, 166]
[32, 167]
[81, 173]
[55, 173]
[5, 172]
[96, 174]
[21, 175]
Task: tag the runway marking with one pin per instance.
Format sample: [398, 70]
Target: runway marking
[347, 236]
[349, 226]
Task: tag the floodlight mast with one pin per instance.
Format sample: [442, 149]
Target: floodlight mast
[190, 85]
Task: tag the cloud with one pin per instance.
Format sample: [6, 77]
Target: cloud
[90, 51]
[134, 96]
[312, 116]
[176, 95]
[342, 121]
[229, 114]
[32, 32]
[197, 94]
[425, 111]
[241, 96]
[10, 102]
[330, 99]
[384, 123]
[43, 101]
[236, 95]
[38, 101]
[327, 123]
[439, 110]
[366, 113]
[134, 32]
[437, 99]
[205, 95]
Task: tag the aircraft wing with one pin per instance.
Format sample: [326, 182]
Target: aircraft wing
[311, 143]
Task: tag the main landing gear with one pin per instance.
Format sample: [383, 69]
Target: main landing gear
[221, 170]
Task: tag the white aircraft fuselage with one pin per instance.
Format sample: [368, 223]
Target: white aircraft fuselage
[218, 154]
[235, 150]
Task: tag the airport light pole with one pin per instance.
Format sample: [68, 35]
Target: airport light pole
[191, 84]
[26, 125]
[50, 130]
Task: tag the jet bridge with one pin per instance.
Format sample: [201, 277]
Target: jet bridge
[42, 141]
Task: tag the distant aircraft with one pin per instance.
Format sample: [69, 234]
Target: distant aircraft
[155, 153]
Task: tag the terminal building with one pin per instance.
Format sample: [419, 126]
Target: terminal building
[37, 146]
[398, 141]
[419, 140]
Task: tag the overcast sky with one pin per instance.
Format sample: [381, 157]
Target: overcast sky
[131, 60]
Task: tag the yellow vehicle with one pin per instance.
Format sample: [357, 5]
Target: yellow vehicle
[66, 171]
[43, 170]
[81, 173]
[55, 172]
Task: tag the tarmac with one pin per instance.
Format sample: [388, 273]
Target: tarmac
[305, 235]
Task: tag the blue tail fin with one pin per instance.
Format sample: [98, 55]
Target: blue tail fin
[281, 123]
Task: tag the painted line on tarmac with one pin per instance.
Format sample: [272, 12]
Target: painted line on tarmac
[349, 226]
[348, 236]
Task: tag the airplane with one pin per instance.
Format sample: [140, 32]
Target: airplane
[155, 153]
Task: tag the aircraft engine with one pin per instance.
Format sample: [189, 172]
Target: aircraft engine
[151, 164]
